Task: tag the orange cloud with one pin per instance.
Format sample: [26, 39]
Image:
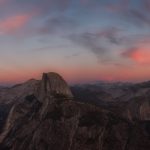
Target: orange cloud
[14, 23]
[139, 55]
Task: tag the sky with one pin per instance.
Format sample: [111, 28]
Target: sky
[83, 40]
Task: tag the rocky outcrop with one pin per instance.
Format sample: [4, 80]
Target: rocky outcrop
[13, 94]
[52, 84]
[49, 119]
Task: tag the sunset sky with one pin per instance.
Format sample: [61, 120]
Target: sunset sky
[83, 40]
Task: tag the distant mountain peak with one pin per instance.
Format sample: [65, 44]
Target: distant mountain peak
[52, 84]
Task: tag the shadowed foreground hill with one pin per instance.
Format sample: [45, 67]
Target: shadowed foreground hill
[47, 118]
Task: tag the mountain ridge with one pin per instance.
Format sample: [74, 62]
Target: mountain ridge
[47, 117]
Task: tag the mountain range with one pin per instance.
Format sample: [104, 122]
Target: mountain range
[48, 115]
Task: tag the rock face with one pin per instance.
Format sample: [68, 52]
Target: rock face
[49, 119]
[13, 94]
[145, 111]
[130, 101]
[53, 84]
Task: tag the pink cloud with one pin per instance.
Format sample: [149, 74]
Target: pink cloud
[138, 55]
[14, 23]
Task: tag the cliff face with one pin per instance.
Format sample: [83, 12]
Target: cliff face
[49, 119]
[53, 84]
[131, 101]
[136, 109]
[145, 111]
[15, 93]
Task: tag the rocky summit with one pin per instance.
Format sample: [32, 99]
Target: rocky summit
[53, 84]
[49, 118]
